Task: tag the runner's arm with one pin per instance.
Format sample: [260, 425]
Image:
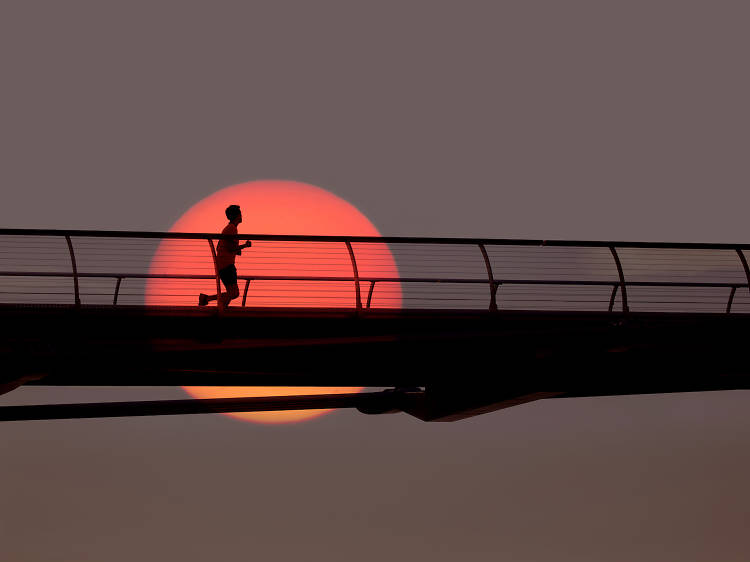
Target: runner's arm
[247, 244]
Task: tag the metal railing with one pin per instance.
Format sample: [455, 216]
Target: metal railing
[82, 267]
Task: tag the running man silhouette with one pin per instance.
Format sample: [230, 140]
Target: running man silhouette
[226, 251]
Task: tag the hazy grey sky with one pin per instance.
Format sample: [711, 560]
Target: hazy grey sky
[540, 119]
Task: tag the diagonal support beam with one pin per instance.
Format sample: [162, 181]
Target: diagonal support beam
[375, 400]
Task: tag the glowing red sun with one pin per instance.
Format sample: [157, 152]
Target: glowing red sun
[275, 207]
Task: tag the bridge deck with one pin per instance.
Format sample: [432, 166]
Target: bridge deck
[476, 322]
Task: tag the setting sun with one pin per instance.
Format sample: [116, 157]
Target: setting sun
[275, 207]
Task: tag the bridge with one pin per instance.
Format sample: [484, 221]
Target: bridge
[448, 327]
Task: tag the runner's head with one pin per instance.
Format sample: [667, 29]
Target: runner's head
[234, 214]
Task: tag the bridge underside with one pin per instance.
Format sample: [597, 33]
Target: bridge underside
[445, 364]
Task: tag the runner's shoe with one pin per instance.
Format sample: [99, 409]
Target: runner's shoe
[202, 300]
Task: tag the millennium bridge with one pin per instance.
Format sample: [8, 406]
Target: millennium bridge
[442, 328]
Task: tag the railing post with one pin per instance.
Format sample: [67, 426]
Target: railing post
[731, 299]
[623, 290]
[117, 291]
[744, 266]
[612, 297]
[244, 293]
[219, 304]
[493, 285]
[369, 293]
[76, 292]
[356, 274]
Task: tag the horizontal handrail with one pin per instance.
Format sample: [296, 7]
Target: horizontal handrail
[503, 281]
[372, 239]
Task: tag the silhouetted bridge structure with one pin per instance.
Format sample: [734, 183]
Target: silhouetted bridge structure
[451, 327]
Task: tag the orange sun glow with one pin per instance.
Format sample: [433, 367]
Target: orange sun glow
[275, 207]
